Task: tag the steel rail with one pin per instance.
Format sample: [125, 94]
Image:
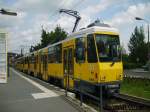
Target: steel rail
[133, 99]
[126, 103]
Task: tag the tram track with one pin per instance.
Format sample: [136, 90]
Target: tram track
[121, 103]
[126, 103]
[133, 99]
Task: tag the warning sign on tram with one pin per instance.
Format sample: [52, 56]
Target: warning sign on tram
[3, 57]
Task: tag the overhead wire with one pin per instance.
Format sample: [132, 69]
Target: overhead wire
[77, 4]
[55, 13]
[55, 16]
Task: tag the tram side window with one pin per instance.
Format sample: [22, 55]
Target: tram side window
[80, 50]
[37, 59]
[91, 50]
[25, 60]
[32, 59]
[58, 50]
[41, 57]
[51, 55]
[55, 54]
[29, 59]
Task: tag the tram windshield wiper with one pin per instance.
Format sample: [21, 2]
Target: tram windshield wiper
[108, 47]
[113, 61]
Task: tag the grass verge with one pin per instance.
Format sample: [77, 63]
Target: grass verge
[136, 87]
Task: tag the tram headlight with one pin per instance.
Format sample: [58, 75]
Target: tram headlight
[113, 86]
[119, 77]
[103, 78]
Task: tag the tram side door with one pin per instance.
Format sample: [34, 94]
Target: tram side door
[35, 61]
[40, 61]
[45, 67]
[68, 62]
[28, 64]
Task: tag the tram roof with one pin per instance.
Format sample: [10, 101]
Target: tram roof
[87, 31]
[94, 29]
[81, 33]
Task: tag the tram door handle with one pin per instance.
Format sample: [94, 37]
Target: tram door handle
[65, 75]
[92, 72]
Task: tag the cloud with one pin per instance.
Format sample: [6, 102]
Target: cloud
[92, 10]
[96, 8]
[125, 20]
[23, 38]
[128, 16]
[39, 6]
[25, 29]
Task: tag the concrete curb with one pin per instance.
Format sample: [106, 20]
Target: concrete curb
[85, 108]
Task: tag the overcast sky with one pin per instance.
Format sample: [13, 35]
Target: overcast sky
[25, 29]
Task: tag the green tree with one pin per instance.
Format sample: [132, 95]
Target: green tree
[52, 37]
[48, 38]
[36, 47]
[58, 35]
[137, 46]
[44, 38]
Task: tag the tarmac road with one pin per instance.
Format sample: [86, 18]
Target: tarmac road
[139, 73]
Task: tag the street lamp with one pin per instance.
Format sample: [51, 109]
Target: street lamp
[5, 12]
[138, 18]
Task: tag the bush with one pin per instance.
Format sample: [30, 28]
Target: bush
[149, 65]
[129, 65]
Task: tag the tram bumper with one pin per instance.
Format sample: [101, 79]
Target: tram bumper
[112, 88]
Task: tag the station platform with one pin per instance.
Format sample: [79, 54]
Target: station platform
[23, 94]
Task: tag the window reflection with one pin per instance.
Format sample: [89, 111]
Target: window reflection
[108, 48]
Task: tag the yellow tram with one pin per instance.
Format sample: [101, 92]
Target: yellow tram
[87, 59]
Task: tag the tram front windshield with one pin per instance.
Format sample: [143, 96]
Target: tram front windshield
[108, 48]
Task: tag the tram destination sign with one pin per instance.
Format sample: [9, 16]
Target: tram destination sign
[3, 57]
